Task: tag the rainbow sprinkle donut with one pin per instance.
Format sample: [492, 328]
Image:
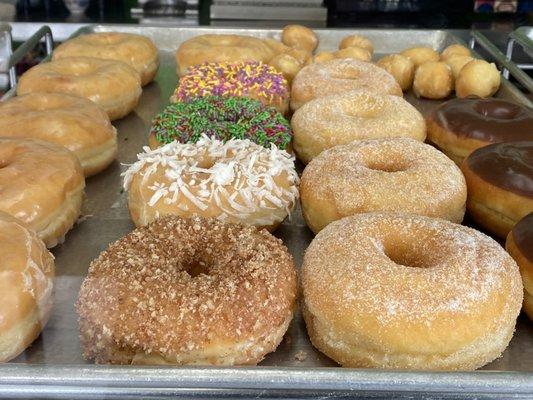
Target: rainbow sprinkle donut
[223, 118]
[239, 79]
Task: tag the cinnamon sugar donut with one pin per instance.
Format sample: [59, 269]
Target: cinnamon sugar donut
[399, 291]
[396, 174]
[342, 118]
[340, 75]
[187, 291]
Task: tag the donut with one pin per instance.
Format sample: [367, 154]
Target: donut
[400, 67]
[519, 245]
[400, 291]
[500, 185]
[27, 277]
[213, 48]
[456, 63]
[240, 79]
[477, 78]
[460, 126]
[287, 65]
[356, 41]
[455, 50]
[42, 185]
[72, 122]
[323, 56]
[342, 118]
[187, 291]
[420, 55]
[135, 50]
[276, 46]
[433, 80]
[300, 37]
[393, 174]
[356, 53]
[235, 181]
[300, 54]
[223, 118]
[112, 85]
[340, 75]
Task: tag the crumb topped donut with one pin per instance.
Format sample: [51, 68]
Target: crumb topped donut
[189, 292]
[235, 181]
[399, 291]
[241, 79]
[223, 118]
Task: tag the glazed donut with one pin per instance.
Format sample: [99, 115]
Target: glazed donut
[135, 50]
[477, 78]
[42, 185]
[113, 85]
[355, 53]
[400, 67]
[460, 126]
[420, 55]
[342, 118]
[455, 50]
[72, 122]
[235, 181]
[433, 80]
[27, 271]
[221, 48]
[287, 65]
[240, 79]
[300, 37]
[187, 291]
[223, 118]
[500, 185]
[393, 174]
[340, 75]
[519, 244]
[357, 41]
[400, 291]
[456, 63]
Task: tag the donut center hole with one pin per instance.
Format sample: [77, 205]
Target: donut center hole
[387, 165]
[407, 258]
[196, 268]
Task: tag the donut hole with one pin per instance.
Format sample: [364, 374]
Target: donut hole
[388, 165]
[497, 109]
[197, 267]
[409, 254]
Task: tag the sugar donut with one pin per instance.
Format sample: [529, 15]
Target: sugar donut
[477, 78]
[420, 55]
[340, 75]
[42, 185]
[113, 85]
[135, 50]
[72, 122]
[223, 118]
[236, 79]
[401, 291]
[400, 67]
[357, 41]
[300, 37]
[397, 174]
[235, 181]
[187, 291]
[500, 185]
[27, 277]
[433, 80]
[342, 118]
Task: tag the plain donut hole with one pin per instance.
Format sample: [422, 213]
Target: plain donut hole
[410, 254]
[387, 165]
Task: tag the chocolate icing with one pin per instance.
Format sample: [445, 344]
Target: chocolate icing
[506, 165]
[523, 236]
[487, 120]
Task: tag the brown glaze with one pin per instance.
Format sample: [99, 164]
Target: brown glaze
[487, 120]
[506, 165]
[523, 236]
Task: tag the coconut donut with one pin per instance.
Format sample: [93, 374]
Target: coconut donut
[340, 75]
[395, 174]
[187, 291]
[235, 181]
[42, 185]
[113, 85]
[135, 50]
[26, 281]
[72, 122]
[342, 118]
[400, 291]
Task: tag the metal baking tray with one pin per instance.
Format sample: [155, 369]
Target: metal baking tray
[52, 367]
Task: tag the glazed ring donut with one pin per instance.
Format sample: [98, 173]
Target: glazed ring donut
[42, 185]
[342, 118]
[340, 75]
[420, 55]
[400, 291]
[395, 174]
[477, 78]
[221, 48]
[300, 37]
[113, 85]
[27, 271]
[188, 291]
[235, 181]
[135, 50]
[72, 122]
